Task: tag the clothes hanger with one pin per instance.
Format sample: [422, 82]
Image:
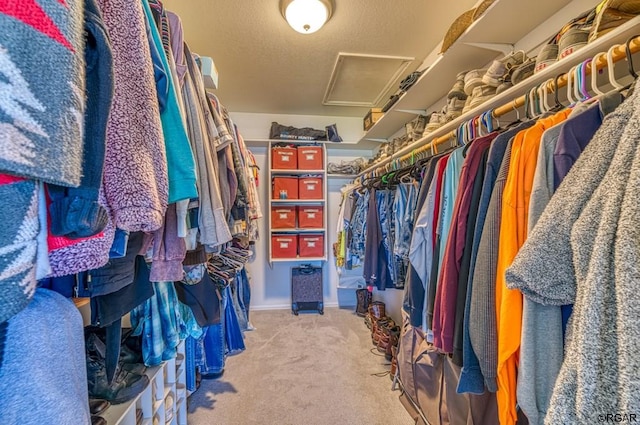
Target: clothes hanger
[487, 122]
[517, 111]
[629, 88]
[572, 102]
[576, 84]
[533, 104]
[527, 106]
[545, 95]
[611, 69]
[594, 74]
[460, 135]
[586, 96]
[627, 52]
[556, 91]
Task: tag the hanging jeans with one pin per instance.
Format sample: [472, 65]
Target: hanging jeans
[403, 212]
[191, 346]
[384, 201]
[233, 333]
[244, 292]
[211, 348]
[235, 288]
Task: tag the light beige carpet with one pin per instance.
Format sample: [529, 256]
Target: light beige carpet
[301, 370]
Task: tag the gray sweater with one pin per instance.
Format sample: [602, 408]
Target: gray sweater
[43, 379]
[583, 251]
[541, 344]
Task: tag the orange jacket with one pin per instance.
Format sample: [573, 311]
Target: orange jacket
[513, 232]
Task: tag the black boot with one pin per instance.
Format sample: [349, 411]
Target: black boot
[364, 299]
[125, 386]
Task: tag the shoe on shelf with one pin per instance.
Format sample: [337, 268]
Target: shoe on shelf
[98, 420]
[473, 79]
[612, 15]
[480, 95]
[436, 121]
[548, 55]
[505, 84]
[457, 91]
[500, 67]
[523, 72]
[97, 406]
[124, 387]
[573, 39]
[454, 109]
[494, 73]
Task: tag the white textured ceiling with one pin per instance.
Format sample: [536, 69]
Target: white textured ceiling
[267, 67]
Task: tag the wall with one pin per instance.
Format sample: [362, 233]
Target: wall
[271, 286]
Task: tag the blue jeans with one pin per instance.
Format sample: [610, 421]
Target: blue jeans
[235, 288]
[233, 333]
[211, 348]
[244, 292]
[384, 201]
[403, 208]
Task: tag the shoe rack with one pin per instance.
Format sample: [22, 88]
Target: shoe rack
[163, 402]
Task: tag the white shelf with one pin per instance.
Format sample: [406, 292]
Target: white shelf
[602, 44]
[157, 405]
[342, 176]
[297, 201]
[505, 22]
[298, 259]
[125, 413]
[345, 144]
[296, 172]
[298, 230]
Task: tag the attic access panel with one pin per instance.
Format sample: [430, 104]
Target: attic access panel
[363, 80]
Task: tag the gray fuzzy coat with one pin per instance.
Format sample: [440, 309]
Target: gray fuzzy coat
[584, 250]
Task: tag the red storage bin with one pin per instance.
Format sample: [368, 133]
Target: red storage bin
[310, 217]
[285, 187]
[310, 158]
[284, 158]
[283, 217]
[310, 188]
[284, 246]
[311, 246]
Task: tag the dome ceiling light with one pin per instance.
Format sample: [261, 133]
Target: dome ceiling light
[306, 16]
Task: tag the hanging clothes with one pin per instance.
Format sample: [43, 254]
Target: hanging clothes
[557, 271]
[448, 309]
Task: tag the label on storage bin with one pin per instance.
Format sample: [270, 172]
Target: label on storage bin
[285, 157]
[311, 186]
[284, 244]
[310, 157]
[283, 216]
[311, 244]
[311, 215]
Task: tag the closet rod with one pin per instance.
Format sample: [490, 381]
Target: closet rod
[619, 53]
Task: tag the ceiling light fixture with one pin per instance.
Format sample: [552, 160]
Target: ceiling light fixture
[306, 16]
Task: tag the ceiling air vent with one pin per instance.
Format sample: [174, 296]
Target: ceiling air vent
[364, 80]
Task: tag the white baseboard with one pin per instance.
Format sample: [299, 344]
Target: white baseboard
[283, 306]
